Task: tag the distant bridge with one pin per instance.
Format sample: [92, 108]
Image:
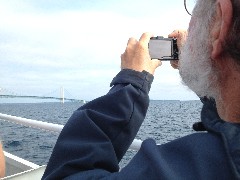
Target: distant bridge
[62, 98]
[40, 97]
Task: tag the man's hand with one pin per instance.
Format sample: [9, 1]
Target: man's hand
[175, 64]
[181, 36]
[136, 55]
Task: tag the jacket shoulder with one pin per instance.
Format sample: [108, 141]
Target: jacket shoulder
[196, 156]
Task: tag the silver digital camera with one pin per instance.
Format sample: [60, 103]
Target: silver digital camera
[164, 49]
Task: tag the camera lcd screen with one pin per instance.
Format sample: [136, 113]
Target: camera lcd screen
[160, 49]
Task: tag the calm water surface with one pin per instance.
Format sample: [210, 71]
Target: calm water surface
[165, 121]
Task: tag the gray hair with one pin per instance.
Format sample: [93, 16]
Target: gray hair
[196, 68]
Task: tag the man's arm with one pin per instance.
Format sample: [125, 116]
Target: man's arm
[99, 133]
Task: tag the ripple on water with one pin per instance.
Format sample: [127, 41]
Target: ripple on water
[165, 121]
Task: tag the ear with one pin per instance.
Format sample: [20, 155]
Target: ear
[221, 26]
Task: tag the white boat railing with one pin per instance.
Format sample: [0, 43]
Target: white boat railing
[136, 144]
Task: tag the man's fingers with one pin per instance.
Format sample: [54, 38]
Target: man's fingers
[174, 64]
[178, 34]
[145, 38]
[132, 41]
[175, 33]
[156, 63]
[136, 55]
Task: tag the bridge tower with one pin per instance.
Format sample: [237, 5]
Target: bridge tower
[62, 94]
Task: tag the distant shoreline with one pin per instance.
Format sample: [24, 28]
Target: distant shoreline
[30, 101]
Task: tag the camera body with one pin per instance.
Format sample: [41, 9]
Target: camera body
[164, 49]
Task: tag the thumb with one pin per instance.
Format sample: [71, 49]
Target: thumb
[155, 64]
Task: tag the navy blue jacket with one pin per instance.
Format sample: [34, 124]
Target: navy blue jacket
[99, 133]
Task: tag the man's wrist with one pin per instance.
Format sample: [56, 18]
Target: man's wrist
[142, 80]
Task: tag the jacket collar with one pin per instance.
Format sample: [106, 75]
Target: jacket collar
[229, 132]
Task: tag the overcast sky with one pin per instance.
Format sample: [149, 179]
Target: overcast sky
[77, 44]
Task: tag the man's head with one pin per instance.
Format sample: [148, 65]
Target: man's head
[211, 38]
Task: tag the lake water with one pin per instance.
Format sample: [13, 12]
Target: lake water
[165, 121]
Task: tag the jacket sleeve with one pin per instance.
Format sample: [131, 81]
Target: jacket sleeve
[98, 134]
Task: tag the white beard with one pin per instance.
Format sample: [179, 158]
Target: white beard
[196, 68]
